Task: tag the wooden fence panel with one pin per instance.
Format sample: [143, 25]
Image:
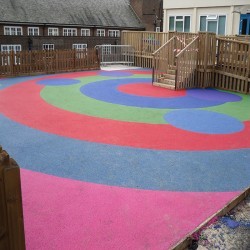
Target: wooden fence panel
[38, 62]
[232, 70]
[145, 44]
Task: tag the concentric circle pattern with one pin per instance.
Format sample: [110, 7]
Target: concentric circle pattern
[132, 134]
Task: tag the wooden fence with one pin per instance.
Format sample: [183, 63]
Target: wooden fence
[45, 62]
[11, 212]
[145, 43]
[232, 71]
[206, 59]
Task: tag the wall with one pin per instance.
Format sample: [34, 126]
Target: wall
[226, 7]
[202, 3]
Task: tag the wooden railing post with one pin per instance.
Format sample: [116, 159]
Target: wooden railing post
[11, 212]
[248, 71]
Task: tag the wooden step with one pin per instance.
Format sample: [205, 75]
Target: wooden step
[171, 72]
[169, 81]
[168, 76]
[164, 85]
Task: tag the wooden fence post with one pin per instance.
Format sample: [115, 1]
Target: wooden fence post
[11, 212]
[248, 70]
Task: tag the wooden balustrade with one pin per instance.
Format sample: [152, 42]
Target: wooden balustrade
[186, 66]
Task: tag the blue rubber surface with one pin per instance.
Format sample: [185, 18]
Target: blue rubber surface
[124, 166]
[107, 91]
[203, 121]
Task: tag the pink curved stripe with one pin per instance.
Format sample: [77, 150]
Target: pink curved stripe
[66, 214]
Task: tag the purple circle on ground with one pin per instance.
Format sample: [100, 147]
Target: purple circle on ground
[58, 82]
[203, 121]
[213, 95]
[116, 73]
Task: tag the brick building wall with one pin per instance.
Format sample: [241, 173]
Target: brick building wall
[150, 12]
[60, 42]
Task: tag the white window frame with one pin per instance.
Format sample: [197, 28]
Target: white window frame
[13, 30]
[53, 31]
[80, 46]
[10, 47]
[31, 31]
[69, 31]
[48, 46]
[114, 33]
[100, 32]
[85, 32]
[215, 18]
[183, 20]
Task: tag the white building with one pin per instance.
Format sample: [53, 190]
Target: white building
[224, 17]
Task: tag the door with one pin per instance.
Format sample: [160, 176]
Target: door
[244, 24]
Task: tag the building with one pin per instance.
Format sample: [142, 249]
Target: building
[64, 24]
[224, 17]
[150, 12]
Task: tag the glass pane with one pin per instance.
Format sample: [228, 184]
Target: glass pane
[171, 23]
[212, 26]
[187, 24]
[222, 25]
[203, 23]
[179, 26]
[179, 17]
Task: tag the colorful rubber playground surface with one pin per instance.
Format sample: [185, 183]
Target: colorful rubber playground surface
[110, 162]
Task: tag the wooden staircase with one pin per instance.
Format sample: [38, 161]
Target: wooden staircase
[167, 80]
[175, 64]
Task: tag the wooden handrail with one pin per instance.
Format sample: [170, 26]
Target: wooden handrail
[182, 51]
[233, 41]
[164, 45]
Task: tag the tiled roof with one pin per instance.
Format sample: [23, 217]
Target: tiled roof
[112, 13]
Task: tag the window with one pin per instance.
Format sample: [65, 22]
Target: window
[33, 31]
[80, 46]
[8, 48]
[53, 32]
[12, 47]
[13, 31]
[100, 32]
[85, 32]
[213, 23]
[114, 33]
[48, 46]
[179, 23]
[69, 32]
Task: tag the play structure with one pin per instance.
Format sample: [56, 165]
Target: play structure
[193, 60]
